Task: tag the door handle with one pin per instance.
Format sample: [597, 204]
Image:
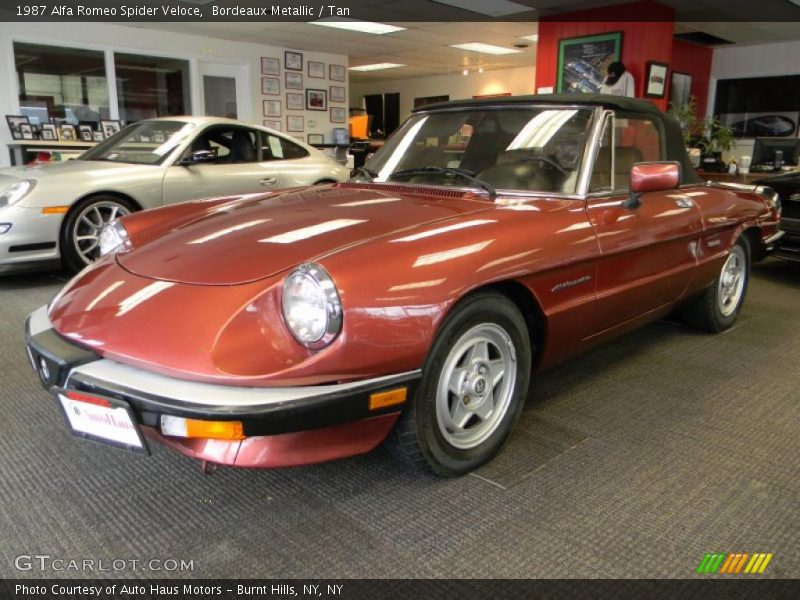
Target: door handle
[268, 181]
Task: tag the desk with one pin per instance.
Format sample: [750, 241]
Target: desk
[20, 149]
[744, 179]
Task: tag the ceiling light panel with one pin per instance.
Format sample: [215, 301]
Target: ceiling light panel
[360, 26]
[376, 67]
[485, 48]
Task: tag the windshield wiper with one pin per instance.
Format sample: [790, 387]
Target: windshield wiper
[366, 172]
[465, 173]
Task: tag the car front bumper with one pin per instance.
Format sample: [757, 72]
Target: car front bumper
[30, 241]
[283, 426]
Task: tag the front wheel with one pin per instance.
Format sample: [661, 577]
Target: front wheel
[472, 390]
[716, 309]
[80, 235]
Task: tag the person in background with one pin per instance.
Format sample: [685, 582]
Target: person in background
[619, 81]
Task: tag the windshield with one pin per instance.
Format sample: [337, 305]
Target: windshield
[530, 149]
[143, 143]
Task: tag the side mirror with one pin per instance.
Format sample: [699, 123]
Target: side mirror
[199, 157]
[652, 177]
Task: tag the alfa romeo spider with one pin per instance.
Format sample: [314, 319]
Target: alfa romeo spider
[485, 241]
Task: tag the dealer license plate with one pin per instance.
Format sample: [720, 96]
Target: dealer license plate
[101, 419]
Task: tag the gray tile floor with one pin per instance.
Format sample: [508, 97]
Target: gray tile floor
[632, 461]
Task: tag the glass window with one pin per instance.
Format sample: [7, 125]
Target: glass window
[278, 148]
[66, 84]
[151, 86]
[231, 145]
[145, 143]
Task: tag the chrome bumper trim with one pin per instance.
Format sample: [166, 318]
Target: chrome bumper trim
[774, 237]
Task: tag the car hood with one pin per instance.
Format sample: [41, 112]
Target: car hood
[77, 168]
[252, 239]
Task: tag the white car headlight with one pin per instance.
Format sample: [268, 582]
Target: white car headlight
[311, 306]
[114, 238]
[16, 191]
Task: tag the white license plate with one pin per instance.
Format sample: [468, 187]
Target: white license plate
[102, 419]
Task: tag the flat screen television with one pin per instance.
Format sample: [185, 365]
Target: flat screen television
[766, 147]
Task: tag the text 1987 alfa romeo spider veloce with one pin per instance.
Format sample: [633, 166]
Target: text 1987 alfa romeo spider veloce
[485, 240]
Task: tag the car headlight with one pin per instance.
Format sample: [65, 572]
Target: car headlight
[16, 192]
[311, 306]
[114, 238]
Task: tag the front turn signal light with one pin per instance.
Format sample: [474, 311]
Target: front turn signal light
[196, 428]
[380, 400]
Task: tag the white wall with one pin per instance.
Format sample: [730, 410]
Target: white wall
[517, 81]
[242, 57]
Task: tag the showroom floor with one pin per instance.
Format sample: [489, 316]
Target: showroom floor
[632, 461]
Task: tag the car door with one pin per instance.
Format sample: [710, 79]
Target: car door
[236, 168]
[647, 251]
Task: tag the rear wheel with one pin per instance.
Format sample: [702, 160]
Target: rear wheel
[80, 235]
[472, 390]
[716, 309]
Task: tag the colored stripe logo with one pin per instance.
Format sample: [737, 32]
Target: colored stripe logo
[722, 563]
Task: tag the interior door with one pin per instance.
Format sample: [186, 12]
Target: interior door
[648, 252]
[237, 169]
[225, 90]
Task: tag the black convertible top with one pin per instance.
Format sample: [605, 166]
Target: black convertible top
[672, 129]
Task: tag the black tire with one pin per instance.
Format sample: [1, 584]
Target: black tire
[74, 224]
[419, 439]
[708, 312]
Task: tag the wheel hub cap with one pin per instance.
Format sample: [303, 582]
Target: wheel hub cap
[731, 282]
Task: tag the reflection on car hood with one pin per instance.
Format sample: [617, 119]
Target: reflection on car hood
[254, 239]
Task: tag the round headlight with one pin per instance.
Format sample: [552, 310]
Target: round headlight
[311, 306]
[16, 191]
[113, 238]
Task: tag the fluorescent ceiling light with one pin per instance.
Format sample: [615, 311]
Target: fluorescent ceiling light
[485, 48]
[376, 67]
[492, 8]
[361, 26]
[534, 37]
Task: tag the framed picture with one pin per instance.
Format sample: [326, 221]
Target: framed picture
[338, 114]
[680, 89]
[49, 132]
[316, 99]
[656, 79]
[15, 124]
[295, 123]
[293, 61]
[294, 81]
[86, 133]
[583, 61]
[109, 128]
[270, 66]
[272, 108]
[271, 86]
[97, 136]
[315, 139]
[316, 70]
[66, 133]
[338, 93]
[26, 129]
[341, 135]
[276, 125]
[294, 101]
[336, 72]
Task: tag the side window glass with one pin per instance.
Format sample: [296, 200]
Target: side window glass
[277, 148]
[229, 145]
[637, 140]
[602, 174]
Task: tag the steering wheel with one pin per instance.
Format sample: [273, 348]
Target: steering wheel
[552, 163]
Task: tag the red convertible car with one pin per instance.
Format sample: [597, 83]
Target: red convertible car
[486, 240]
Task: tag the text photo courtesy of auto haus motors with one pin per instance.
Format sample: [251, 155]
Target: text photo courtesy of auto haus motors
[476, 291]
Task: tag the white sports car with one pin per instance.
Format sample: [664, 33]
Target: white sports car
[55, 212]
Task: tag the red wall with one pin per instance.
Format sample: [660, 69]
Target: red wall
[694, 60]
[641, 40]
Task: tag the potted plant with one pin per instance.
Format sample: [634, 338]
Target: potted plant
[718, 139]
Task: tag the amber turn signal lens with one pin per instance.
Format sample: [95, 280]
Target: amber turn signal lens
[384, 399]
[55, 210]
[194, 428]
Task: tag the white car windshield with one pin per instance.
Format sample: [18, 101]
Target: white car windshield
[143, 143]
[528, 149]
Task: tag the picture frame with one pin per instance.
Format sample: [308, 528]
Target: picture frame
[336, 72]
[294, 101]
[295, 123]
[86, 133]
[655, 79]
[273, 124]
[97, 136]
[48, 132]
[680, 89]
[26, 129]
[316, 70]
[66, 133]
[270, 66]
[316, 99]
[338, 93]
[272, 108]
[293, 81]
[338, 114]
[270, 86]
[583, 61]
[15, 123]
[110, 128]
[315, 139]
[293, 61]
